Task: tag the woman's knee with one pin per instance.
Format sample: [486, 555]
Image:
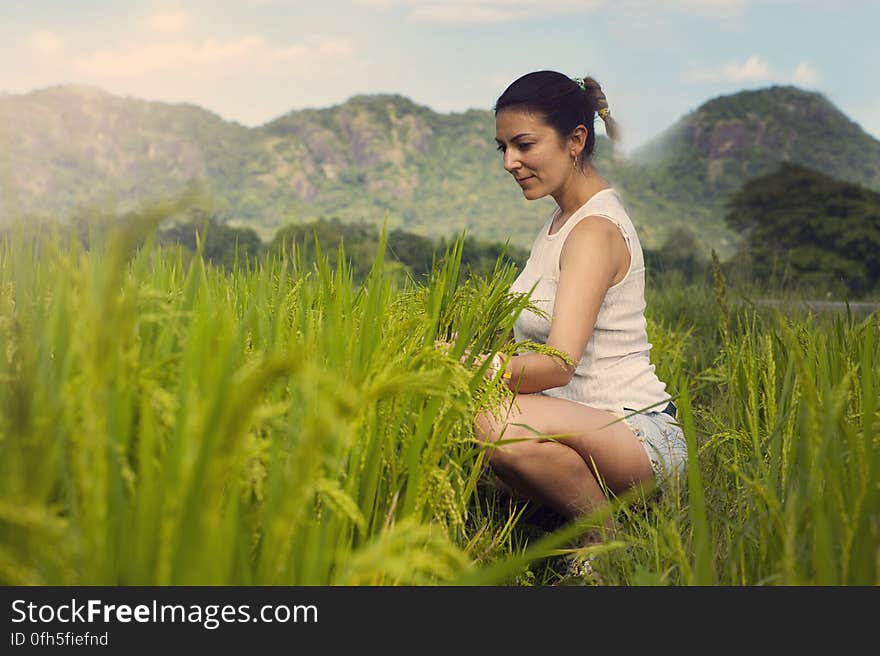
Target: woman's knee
[492, 426]
[508, 459]
[487, 428]
[482, 427]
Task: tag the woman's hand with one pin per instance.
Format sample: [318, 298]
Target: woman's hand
[446, 347]
[497, 360]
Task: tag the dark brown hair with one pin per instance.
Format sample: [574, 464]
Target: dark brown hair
[562, 104]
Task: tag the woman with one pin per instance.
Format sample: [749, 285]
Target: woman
[587, 269]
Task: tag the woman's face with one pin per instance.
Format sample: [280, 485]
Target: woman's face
[533, 153]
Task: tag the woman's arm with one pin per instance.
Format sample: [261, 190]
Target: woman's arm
[593, 258]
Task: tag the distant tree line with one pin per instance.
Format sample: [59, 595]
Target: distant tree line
[798, 229]
[221, 244]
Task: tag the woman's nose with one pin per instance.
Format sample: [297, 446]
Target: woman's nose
[511, 163]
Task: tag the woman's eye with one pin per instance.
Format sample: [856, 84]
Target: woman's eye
[500, 148]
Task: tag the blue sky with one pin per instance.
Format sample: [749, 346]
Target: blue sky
[253, 60]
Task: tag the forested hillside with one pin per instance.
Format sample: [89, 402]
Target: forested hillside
[67, 149]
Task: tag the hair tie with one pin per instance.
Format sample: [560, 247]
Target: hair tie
[604, 113]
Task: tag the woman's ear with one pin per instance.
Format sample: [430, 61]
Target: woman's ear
[579, 137]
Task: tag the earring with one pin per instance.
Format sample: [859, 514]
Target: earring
[575, 166]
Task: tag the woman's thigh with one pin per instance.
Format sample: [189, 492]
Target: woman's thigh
[607, 445]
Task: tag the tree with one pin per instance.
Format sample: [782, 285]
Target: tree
[359, 242]
[680, 254]
[413, 250]
[221, 243]
[824, 230]
[404, 250]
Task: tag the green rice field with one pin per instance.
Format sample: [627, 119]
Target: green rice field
[166, 422]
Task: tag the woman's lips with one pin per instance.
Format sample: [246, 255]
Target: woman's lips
[522, 180]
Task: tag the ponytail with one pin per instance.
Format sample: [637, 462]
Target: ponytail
[600, 102]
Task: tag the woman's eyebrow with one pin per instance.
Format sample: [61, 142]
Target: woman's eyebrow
[521, 134]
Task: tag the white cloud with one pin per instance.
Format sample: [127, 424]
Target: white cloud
[247, 76]
[463, 14]
[212, 57]
[481, 12]
[171, 21]
[44, 42]
[752, 70]
[805, 74]
[373, 4]
[471, 12]
[714, 7]
[755, 69]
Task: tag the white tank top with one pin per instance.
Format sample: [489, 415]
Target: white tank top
[615, 371]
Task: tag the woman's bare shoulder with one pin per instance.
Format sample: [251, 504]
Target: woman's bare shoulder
[596, 237]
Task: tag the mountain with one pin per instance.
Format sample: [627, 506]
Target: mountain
[66, 146]
[692, 168]
[434, 174]
[733, 138]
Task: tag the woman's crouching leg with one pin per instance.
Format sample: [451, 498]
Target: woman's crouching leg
[547, 472]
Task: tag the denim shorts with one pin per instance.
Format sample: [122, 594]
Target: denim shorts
[664, 440]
